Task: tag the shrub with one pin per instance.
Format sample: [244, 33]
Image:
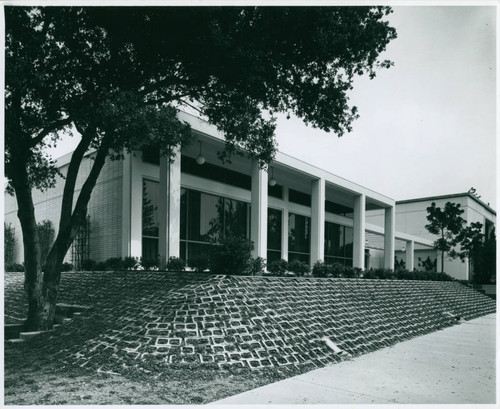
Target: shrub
[100, 266]
[257, 266]
[67, 267]
[129, 263]
[149, 263]
[321, 269]
[199, 263]
[88, 265]
[277, 267]
[175, 264]
[298, 267]
[379, 273]
[335, 270]
[231, 256]
[114, 263]
[14, 267]
[403, 274]
[351, 272]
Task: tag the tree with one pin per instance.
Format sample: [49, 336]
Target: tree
[485, 261]
[118, 76]
[480, 250]
[447, 223]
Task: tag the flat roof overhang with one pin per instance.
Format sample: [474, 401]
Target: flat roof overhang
[286, 169]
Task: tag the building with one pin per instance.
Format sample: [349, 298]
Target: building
[411, 218]
[144, 206]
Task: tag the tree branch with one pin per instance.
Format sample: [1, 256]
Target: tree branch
[67, 234]
[52, 127]
[71, 176]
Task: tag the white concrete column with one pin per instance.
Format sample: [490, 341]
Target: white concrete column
[169, 207]
[389, 240]
[410, 255]
[126, 204]
[258, 229]
[359, 231]
[317, 220]
[284, 225]
[134, 198]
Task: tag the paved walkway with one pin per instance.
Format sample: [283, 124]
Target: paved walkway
[452, 366]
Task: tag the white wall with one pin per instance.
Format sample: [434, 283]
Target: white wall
[105, 210]
[411, 218]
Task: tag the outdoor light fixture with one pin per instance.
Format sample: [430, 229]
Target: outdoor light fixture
[200, 159]
[272, 181]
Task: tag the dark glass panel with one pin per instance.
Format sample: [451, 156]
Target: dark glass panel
[336, 208]
[297, 256]
[274, 222]
[150, 249]
[348, 243]
[235, 218]
[302, 198]
[150, 197]
[217, 173]
[299, 238]
[275, 191]
[197, 249]
[273, 255]
[184, 207]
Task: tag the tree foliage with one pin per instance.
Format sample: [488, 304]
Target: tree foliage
[119, 75]
[447, 223]
[480, 250]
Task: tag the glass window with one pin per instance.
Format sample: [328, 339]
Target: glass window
[299, 237]
[217, 173]
[301, 198]
[274, 223]
[275, 191]
[336, 208]
[150, 223]
[338, 244]
[274, 229]
[150, 193]
[206, 217]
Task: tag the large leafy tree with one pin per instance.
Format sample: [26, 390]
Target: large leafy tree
[118, 76]
[447, 223]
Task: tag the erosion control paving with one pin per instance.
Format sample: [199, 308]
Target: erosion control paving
[147, 321]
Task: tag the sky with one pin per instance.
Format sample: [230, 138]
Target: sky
[427, 124]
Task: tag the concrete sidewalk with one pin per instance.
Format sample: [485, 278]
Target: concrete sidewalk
[452, 366]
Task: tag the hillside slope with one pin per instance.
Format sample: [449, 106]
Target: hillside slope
[153, 320]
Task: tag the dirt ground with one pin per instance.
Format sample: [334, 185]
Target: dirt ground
[49, 383]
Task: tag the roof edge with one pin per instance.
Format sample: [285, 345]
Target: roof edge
[449, 196]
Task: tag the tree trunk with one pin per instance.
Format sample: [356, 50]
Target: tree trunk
[442, 261]
[41, 295]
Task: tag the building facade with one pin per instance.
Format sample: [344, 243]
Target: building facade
[411, 218]
[145, 206]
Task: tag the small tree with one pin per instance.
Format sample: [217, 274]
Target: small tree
[447, 223]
